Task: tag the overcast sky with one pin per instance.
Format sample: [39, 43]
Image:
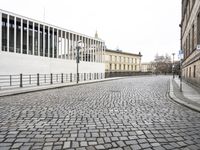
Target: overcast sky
[146, 26]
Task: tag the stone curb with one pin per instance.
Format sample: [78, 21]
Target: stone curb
[48, 87]
[173, 97]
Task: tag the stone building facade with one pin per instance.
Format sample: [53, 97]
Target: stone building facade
[122, 63]
[147, 67]
[190, 39]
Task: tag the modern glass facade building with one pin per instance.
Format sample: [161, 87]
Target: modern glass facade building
[31, 46]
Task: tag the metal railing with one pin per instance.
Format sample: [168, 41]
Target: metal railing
[31, 80]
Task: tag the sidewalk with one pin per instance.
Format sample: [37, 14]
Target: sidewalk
[189, 96]
[47, 87]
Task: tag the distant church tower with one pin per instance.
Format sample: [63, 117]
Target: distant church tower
[96, 35]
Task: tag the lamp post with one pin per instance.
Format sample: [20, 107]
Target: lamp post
[173, 65]
[181, 57]
[77, 61]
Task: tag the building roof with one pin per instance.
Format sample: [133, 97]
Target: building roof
[121, 52]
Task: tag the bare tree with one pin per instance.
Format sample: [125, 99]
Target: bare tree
[162, 64]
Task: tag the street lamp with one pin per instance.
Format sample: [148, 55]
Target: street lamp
[77, 60]
[180, 75]
[173, 65]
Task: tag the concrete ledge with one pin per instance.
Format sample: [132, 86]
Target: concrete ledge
[173, 97]
[47, 87]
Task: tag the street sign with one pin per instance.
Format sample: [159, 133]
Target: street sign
[180, 54]
[198, 47]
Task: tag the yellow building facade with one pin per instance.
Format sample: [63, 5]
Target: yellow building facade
[118, 61]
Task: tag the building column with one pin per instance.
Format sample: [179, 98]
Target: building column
[15, 26]
[81, 38]
[103, 59]
[21, 36]
[64, 45]
[8, 34]
[52, 42]
[57, 44]
[27, 41]
[89, 49]
[33, 45]
[68, 46]
[100, 52]
[86, 50]
[43, 40]
[61, 44]
[38, 39]
[72, 46]
[0, 31]
[94, 55]
[48, 40]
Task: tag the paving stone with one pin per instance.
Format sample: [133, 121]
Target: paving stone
[67, 144]
[129, 113]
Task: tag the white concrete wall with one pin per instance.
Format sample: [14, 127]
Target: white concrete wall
[13, 63]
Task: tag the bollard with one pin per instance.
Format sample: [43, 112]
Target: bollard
[51, 78]
[38, 79]
[61, 77]
[84, 76]
[70, 77]
[20, 81]
[10, 80]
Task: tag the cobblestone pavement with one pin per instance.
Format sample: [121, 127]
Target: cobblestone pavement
[132, 113]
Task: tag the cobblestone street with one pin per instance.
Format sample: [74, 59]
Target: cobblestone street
[131, 113]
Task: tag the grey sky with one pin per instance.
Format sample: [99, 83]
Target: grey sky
[148, 26]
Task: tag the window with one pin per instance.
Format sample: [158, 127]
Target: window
[194, 71]
[51, 42]
[115, 67]
[110, 66]
[190, 72]
[4, 32]
[110, 57]
[115, 58]
[30, 30]
[46, 41]
[36, 39]
[11, 32]
[41, 40]
[24, 37]
[193, 37]
[18, 36]
[198, 29]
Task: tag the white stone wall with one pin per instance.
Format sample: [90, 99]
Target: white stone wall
[13, 63]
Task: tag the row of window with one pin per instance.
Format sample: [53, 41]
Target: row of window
[190, 72]
[187, 12]
[123, 59]
[28, 37]
[189, 44]
[123, 67]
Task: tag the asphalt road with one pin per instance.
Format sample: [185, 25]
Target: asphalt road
[131, 113]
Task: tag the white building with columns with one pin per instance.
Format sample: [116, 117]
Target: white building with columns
[28, 46]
